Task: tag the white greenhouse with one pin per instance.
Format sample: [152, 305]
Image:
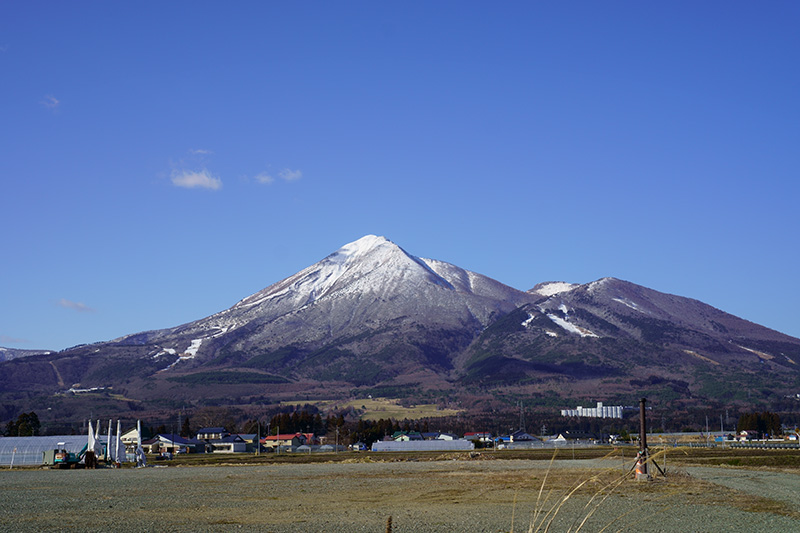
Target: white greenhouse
[29, 450]
[423, 446]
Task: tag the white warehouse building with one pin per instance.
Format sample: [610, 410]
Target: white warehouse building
[601, 411]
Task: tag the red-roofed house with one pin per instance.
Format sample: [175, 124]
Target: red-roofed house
[288, 439]
[482, 436]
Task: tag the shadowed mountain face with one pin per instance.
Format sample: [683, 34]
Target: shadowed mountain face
[617, 336]
[372, 315]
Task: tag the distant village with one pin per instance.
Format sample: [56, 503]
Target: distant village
[217, 440]
[165, 445]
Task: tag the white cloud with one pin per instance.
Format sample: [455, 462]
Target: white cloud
[290, 175]
[50, 102]
[188, 179]
[75, 306]
[286, 174]
[265, 178]
[200, 152]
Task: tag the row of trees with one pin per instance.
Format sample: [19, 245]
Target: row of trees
[26, 425]
[765, 423]
[308, 419]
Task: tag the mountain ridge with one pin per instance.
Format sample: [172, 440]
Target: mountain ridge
[373, 317]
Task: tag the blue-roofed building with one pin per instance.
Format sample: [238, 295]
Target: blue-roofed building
[173, 443]
[228, 444]
[212, 433]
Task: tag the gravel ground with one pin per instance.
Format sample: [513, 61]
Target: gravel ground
[478, 495]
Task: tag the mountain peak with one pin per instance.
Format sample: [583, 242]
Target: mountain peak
[366, 242]
[362, 247]
[360, 261]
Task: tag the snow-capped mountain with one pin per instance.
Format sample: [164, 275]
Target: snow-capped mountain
[371, 316]
[616, 334]
[368, 288]
[7, 354]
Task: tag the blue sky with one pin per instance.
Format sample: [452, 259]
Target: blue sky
[161, 161]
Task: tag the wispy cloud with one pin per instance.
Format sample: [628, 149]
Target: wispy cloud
[75, 306]
[189, 179]
[286, 174]
[50, 102]
[264, 178]
[5, 339]
[290, 175]
[200, 152]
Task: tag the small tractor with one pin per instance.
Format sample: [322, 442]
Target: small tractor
[62, 458]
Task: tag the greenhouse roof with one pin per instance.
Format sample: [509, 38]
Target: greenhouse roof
[28, 450]
[422, 445]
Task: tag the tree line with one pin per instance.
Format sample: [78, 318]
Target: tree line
[765, 423]
[26, 425]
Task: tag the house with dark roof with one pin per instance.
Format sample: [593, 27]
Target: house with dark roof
[404, 436]
[182, 445]
[250, 440]
[581, 436]
[212, 433]
[519, 437]
[228, 444]
[170, 443]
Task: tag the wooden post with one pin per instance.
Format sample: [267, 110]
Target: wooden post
[642, 466]
[642, 426]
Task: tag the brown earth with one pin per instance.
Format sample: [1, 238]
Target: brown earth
[460, 494]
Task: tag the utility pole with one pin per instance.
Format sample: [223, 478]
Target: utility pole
[642, 464]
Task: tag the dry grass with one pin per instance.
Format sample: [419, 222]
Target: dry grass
[594, 488]
[421, 492]
[377, 408]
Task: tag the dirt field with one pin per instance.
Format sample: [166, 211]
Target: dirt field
[480, 495]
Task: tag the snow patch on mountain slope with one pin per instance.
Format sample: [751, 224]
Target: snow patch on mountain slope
[572, 328]
[466, 281]
[625, 301]
[599, 284]
[701, 357]
[761, 355]
[191, 351]
[551, 288]
[165, 351]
